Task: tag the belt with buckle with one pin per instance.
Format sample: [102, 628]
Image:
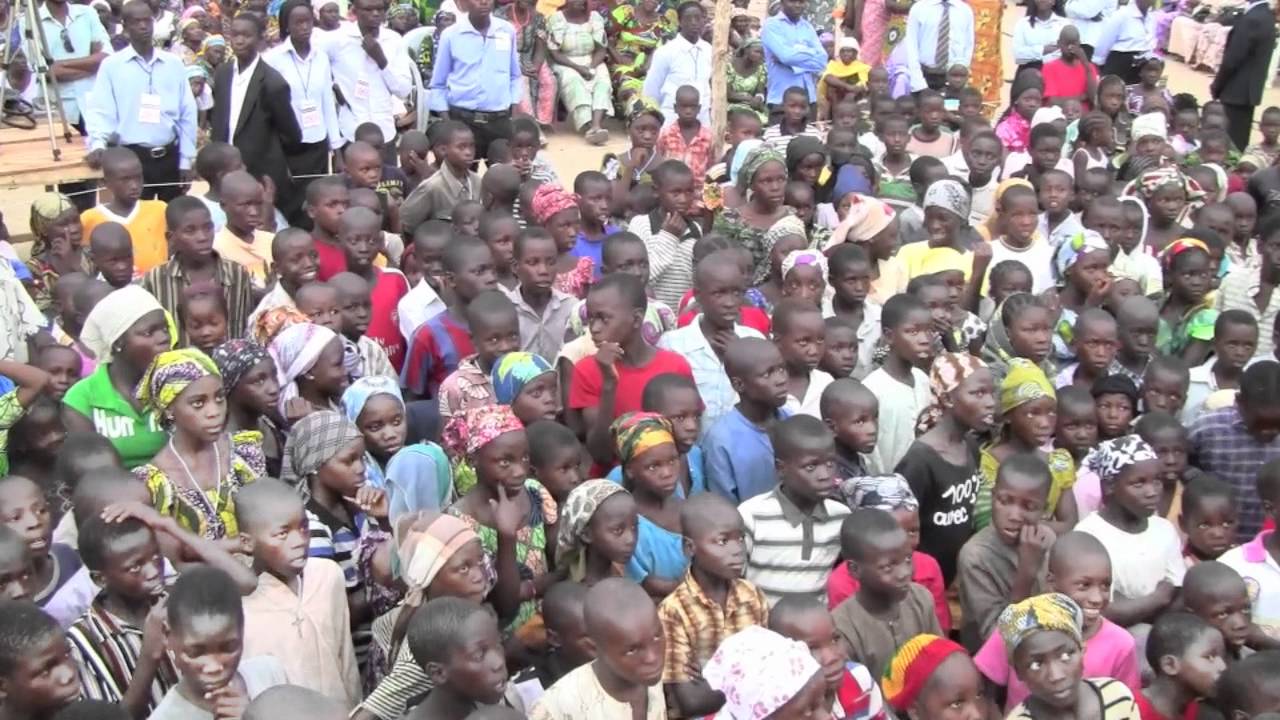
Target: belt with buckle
[480, 116]
[156, 152]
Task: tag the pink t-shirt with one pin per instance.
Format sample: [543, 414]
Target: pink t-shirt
[1109, 653]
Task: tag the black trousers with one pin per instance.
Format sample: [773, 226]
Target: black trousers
[81, 192]
[1239, 123]
[485, 126]
[160, 174]
[1122, 64]
[306, 162]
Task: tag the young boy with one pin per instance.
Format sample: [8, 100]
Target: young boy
[415, 159]
[930, 137]
[1094, 341]
[851, 412]
[189, 237]
[1218, 595]
[1269, 126]
[1187, 657]
[1019, 240]
[298, 612]
[544, 311]
[355, 308]
[878, 552]
[623, 623]
[327, 199]
[240, 241]
[443, 340]
[849, 275]
[1137, 319]
[214, 161]
[712, 603]
[144, 219]
[111, 254]
[35, 665]
[850, 687]
[794, 120]
[360, 236]
[1057, 223]
[1243, 250]
[800, 333]
[1004, 561]
[1208, 520]
[738, 450]
[901, 388]
[687, 139]
[840, 354]
[424, 300]
[1164, 385]
[495, 331]
[296, 263]
[1213, 384]
[392, 181]
[594, 194]
[670, 232]
[1250, 688]
[454, 182]
[204, 632]
[456, 642]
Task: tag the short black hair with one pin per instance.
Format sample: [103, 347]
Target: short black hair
[1044, 131]
[861, 528]
[921, 166]
[1260, 384]
[587, 177]
[1172, 634]
[215, 160]
[786, 312]
[1025, 465]
[23, 626]
[844, 255]
[260, 498]
[96, 535]
[90, 495]
[1205, 487]
[525, 126]
[669, 171]
[1267, 481]
[320, 186]
[799, 433]
[490, 220]
[793, 91]
[204, 590]
[259, 22]
[1005, 268]
[920, 282]
[897, 308]
[839, 392]
[438, 628]
[1234, 318]
[442, 133]
[458, 251]
[1245, 678]
[614, 241]
[1015, 192]
[792, 606]
[488, 307]
[659, 385]
[546, 437]
[529, 234]
[1155, 421]
[179, 207]
[628, 286]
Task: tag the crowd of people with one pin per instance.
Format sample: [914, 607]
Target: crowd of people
[896, 401]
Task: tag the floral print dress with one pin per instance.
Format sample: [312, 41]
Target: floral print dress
[208, 513]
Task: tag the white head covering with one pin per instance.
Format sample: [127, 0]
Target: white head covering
[1047, 114]
[848, 42]
[113, 316]
[758, 671]
[1150, 124]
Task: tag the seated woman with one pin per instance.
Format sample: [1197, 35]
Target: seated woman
[1213, 38]
[635, 31]
[576, 42]
[58, 246]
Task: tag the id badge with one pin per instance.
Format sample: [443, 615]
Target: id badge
[503, 42]
[310, 115]
[362, 89]
[149, 108]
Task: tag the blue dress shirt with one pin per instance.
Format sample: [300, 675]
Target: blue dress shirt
[474, 71]
[116, 100]
[793, 57]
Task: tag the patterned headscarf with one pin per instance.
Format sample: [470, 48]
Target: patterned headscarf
[1111, 458]
[1051, 611]
[912, 665]
[114, 315]
[786, 226]
[1023, 383]
[169, 374]
[751, 164]
[575, 520]
[44, 211]
[313, 441]
[295, 351]
[867, 217]
[883, 492]
[270, 323]
[1179, 246]
[515, 370]
[550, 199]
[949, 195]
[635, 432]
[796, 258]
[946, 374]
[234, 358]
[197, 71]
[470, 430]
[214, 41]
[424, 542]
[1148, 183]
[758, 671]
[1076, 247]
[401, 9]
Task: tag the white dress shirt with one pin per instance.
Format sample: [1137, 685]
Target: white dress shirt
[922, 37]
[310, 92]
[1127, 30]
[679, 62]
[1029, 40]
[1082, 14]
[367, 89]
[239, 86]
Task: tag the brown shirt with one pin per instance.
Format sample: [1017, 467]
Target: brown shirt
[984, 575]
[873, 639]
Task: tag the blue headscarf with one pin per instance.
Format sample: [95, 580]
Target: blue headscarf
[513, 371]
[357, 395]
[850, 179]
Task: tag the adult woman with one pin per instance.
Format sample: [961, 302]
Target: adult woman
[125, 331]
[577, 43]
[1035, 39]
[309, 368]
[760, 183]
[190, 35]
[747, 78]
[330, 14]
[539, 98]
[635, 30]
[765, 675]
[55, 224]
[213, 53]
[252, 389]
[194, 478]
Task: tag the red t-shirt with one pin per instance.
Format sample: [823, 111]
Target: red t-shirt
[332, 259]
[748, 315]
[587, 383]
[384, 320]
[1063, 80]
[1147, 711]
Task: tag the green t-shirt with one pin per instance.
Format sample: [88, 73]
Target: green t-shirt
[136, 436]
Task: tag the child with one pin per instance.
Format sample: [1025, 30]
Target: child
[568, 647]
[391, 180]
[850, 410]
[205, 632]
[670, 232]
[1137, 320]
[850, 690]
[712, 603]
[1146, 554]
[1211, 385]
[650, 468]
[737, 447]
[929, 137]
[1094, 340]
[424, 299]
[628, 169]
[1218, 595]
[1057, 223]
[111, 254]
[59, 583]
[1080, 569]
[466, 218]
[35, 662]
[845, 77]
[1019, 239]
[64, 365]
[1076, 430]
[457, 644]
[202, 313]
[1116, 399]
[544, 310]
[1014, 126]
[1208, 519]
[931, 676]
[555, 458]
[327, 200]
[887, 606]
[495, 332]
[240, 241]
[1186, 319]
[1187, 657]
[215, 161]
[1168, 439]
[594, 194]
[360, 236]
[760, 673]
[557, 211]
[791, 559]
[355, 311]
[900, 387]
[794, 120]
[1164, 385]
[800, 334]
[687, 139]
[895, 165]
[840, 354]
[144, 219]
[296, 263]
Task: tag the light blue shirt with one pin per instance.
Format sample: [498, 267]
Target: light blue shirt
[474, 71]
[697, 476]
[718, 395]
[87, 37]
[921, 40]
[738, 457]
[310, 92]
[1127, 30]
[115, 105]
[793, 57]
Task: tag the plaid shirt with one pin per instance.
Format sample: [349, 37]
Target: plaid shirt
[696, 153]
[695, 624]
[1222, 447]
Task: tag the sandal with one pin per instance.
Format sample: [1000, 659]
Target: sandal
[598, 136]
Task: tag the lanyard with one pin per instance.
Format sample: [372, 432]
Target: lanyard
[150, 71]
[306, 82]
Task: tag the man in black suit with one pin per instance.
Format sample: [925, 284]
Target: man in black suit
[251, 107]
[1243, 73]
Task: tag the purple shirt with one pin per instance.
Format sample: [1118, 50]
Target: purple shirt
[584, 247]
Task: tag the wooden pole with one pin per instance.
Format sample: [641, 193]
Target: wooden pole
[719, 79]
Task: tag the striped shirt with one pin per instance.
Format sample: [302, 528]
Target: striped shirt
[106, 651]
[168, 280]
[695, 624]
[333, 539]
[670, 257]
[1237, 292]
[788, 552]
[1116, 700]
[1222, 446]
[774, 138]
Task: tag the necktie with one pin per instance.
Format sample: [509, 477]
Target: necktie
[944, 38]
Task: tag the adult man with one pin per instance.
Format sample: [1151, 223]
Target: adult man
[683, 60]
[1244, 68]
[793, 55]
[1088, 17]
[371, 70]
[251, 107]
[477, 78]
[141, 99]
[939, 35]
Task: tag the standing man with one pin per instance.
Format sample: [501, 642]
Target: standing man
[371, 70]
[141, 100]
[683, 60]
[1243, 72]
[793, 55]
[476, 79]
[939, 35]
[251, 108]
[1088, 16]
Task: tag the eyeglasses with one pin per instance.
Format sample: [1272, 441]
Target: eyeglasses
[66, 41]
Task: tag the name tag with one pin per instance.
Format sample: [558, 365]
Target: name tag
[149, 108]
[362, 89]
[503, 42]
[310, 115]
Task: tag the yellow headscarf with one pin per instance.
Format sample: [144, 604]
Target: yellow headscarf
[1024, 382]
[942, 259]
[991, 228]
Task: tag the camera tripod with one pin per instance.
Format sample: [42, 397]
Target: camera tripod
[33, 46]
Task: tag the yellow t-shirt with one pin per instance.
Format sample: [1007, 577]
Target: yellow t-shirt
[146, 228]
[254, 257]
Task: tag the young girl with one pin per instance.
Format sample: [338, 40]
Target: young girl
[1080, 266]
[528, 384]
[1014, 127]
[1111, 101]
[651, 465]
[1147, 94]
[35, 441]
[310, 370]
[874, 225]
[1021, 328]
[252, 389]
[1186, 317]
[804, 276]
[415, 477]
[203, 314]
[1165, 192]
[1029, 407]
[632, 167]
[1094, 143]
[765, 675]
[557, 211]
[195, 476]
[784, 238]
[596, 534]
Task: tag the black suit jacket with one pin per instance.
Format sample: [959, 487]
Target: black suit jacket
[266, 125]
[1243, 74]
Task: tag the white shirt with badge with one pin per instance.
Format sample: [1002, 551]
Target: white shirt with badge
[310, 92]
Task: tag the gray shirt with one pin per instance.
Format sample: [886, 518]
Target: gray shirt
[259, 674]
